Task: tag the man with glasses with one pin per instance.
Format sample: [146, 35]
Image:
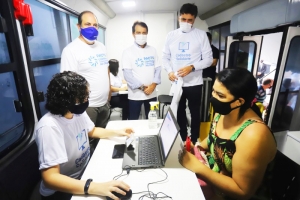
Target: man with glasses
[186, 53]
[141, 70]
[86, 56]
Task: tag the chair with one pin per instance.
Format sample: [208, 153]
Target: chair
[164, 100]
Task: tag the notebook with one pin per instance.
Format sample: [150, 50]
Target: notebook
[153, 150]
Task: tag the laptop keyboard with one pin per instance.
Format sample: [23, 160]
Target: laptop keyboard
[148, 153]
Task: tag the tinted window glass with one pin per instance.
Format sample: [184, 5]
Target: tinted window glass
[225, 31]
[4, 55]
[101, 36]
[287, 105]
[74, 28]
[50, 31]
[42, 76]
[242, 54]
[215, 37]
[11, 122]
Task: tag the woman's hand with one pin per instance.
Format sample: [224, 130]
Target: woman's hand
[124, 88]
[124, 132]
[189, 161]
[106, 189]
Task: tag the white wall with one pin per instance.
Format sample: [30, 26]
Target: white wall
[200, 24]
[119, 36]
[82, 5]
[227, 14]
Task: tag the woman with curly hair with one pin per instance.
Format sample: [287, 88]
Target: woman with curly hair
[62, 139]
[241, 148]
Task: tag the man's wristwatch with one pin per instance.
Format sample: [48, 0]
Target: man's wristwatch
[142, 88]
[193, 68]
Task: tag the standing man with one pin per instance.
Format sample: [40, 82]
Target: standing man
[261, 71]
[211, 71]
[186, 53]
[141, 70]
[86, 56]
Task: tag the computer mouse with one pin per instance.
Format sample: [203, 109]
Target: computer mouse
[122, 197]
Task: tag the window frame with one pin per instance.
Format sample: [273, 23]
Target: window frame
[17, 67]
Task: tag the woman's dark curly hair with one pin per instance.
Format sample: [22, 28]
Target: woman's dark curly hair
[241, 84]
[65, 90]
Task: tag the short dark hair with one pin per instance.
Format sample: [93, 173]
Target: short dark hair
[82, 13]
[267, 81]
[65, 90]
[113, 66]
[241, 84]
[209, 35]
[189, 8]
[142, 24]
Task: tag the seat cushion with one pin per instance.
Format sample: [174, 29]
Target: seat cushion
[166, 99]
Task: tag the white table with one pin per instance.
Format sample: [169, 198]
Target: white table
[181, 183]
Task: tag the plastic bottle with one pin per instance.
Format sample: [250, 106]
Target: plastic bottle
[152, 116]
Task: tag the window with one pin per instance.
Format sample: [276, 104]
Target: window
[242, 55]
[74, 28]
[42, 76]
[219, 34]
[4, 55]
[12, 126]
[101, 35]
[287, 105]
[16, 115]
[50, 32]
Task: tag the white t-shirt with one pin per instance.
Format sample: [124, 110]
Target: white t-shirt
[142, 62]
[63, 142]
[89, 61]
[116, 81]
[184, 49]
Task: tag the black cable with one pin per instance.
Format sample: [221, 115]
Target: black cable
[151, 194]
[127, 168]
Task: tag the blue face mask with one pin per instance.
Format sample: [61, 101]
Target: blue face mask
[89, 33]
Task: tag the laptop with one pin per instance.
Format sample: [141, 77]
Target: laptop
[152, 150]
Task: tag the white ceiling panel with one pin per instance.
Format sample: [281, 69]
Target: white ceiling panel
[162, 5]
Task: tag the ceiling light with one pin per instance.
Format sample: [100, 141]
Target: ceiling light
[128, 3]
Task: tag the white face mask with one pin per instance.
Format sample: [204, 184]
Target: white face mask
[88, 41]
[141, 39]
[185, 27]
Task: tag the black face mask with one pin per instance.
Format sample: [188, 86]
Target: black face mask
[222, 108]
[80, 108]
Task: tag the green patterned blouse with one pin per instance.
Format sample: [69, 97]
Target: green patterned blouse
[220, 156]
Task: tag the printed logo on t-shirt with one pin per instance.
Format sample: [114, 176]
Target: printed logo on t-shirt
[98, 59]
[183, 56]
[183, 46]
[147, 61]
[139, 62]
[85, 155]
[81, 139]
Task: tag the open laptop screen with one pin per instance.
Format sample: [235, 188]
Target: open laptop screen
[168, 132]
